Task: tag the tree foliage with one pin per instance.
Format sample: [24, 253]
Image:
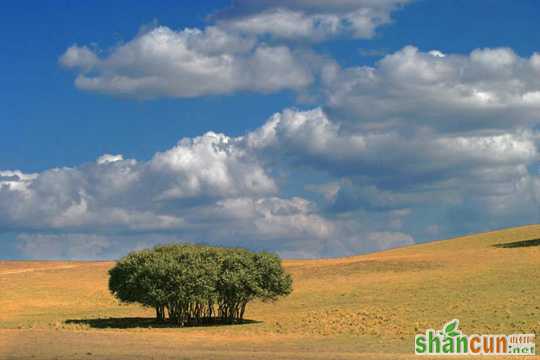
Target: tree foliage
[193, 284]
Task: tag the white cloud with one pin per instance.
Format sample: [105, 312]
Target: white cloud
[126, 194]
[210, 165]
[211, 188]
[488, 89]
[108, 158]
[310, 137]
[437, 53]
[309, 20]
[495, 59]
[80, 57]
[188, 63]
[244, 50]
[16, 180]
[271, 222]
[422, 172]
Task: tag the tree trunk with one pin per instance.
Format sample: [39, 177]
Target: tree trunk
[159, 313]
[243, 310]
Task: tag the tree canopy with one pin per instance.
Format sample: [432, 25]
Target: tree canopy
[195, 284]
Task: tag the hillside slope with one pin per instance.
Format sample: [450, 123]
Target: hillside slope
[355, 307]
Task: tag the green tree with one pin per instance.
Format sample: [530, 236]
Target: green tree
[193, 284]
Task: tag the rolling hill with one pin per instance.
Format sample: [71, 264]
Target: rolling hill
[367, 306]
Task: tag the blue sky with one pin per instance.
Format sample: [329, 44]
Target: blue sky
[378, 141]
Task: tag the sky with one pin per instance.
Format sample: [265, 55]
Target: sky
[309, 128]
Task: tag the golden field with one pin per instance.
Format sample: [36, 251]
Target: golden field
[361, 307]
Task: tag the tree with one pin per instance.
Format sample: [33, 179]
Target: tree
[193, 284]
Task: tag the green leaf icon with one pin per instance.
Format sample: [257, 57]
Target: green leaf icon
[451, 327]
[453, 334]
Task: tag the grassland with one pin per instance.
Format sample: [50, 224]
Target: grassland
[362, 307]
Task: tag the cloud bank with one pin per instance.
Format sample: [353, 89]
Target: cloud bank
[232, 190]
[421, 144]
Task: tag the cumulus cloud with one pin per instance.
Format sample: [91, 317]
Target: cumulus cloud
[487, 89]
[245, 48]
[427, 173]
[16, 180]
[213, 189]
[309, 20]
[451, 137]
[125, 193]
[80, 57]
[220, 190]
[211, 165]
[379, 187]
[311, 137]
[188, 63]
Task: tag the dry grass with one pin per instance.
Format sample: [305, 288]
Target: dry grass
[358, 307]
